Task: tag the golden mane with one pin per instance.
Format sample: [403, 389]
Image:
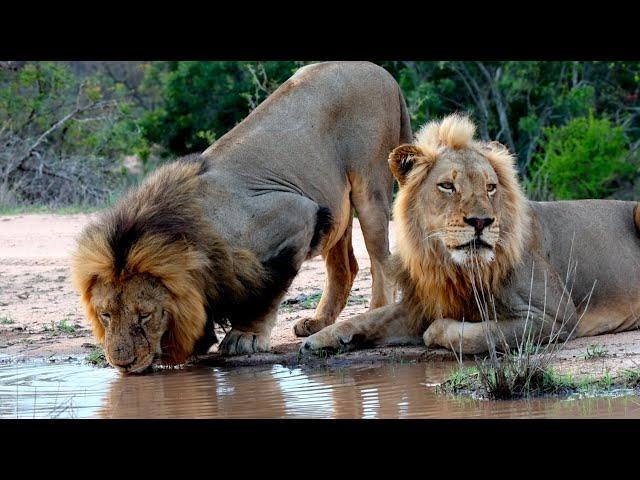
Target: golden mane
[160, 230]
[454, 131]
[433, 285]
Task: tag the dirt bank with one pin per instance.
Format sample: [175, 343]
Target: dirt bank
[41, 318]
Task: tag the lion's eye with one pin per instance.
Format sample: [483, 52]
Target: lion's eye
[447, 187]
[491, 188]
[143, 317]
[105, 317]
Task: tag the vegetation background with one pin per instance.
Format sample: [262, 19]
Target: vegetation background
[74, 135]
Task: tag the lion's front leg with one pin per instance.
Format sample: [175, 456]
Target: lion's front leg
[503, 335]
[464, 337]
[249, 338]
[385, 325]
[536, 308]
[239, 342]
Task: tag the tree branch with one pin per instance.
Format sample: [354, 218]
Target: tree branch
[499, 102]
[77, 110]
[478, 96]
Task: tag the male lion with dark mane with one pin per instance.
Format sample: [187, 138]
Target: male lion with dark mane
[218, 237]
[470, 248]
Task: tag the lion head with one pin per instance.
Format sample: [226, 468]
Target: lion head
[154, 275]
[141, 270]
[133, 319]
[460, 212]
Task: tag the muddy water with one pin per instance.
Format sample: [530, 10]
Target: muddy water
[387, 391]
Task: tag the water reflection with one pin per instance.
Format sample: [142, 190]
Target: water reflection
[195, 393]
[388, 391]
[52, 391]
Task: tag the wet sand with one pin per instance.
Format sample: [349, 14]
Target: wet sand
[41, 317]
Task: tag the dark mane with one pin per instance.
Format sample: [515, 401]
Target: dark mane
[161, 229]
[166, 205]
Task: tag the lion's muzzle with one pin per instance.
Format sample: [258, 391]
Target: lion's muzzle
[129, 356]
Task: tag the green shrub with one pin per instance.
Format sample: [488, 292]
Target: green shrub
[201, 101]
[63, 136]
[584, 158]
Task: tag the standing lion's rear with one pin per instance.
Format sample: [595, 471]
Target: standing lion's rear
[325, 134]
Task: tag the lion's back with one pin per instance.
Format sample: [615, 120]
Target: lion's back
[598, 237]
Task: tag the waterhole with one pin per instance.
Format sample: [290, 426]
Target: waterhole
[381, 391]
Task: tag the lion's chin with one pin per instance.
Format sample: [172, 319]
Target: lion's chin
[468, 257]
[140, 367]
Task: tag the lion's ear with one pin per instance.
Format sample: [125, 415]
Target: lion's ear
[495, 145]
[498, 152]
[401, 160]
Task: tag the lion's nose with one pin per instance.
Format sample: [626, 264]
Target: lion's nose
[479, 223]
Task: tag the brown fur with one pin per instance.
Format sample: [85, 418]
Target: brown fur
[540, 269]
[433, 286]
[275, 198]
[190, 260]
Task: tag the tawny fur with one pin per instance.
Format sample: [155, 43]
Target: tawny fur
[433, 286]
[197, 266]
[552, 275]
[284, 198]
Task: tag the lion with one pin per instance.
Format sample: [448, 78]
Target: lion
[217, 238]
[480, 266]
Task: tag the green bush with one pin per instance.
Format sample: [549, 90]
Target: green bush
[426, 97]
[64, 137]
[40, 94]
[549, 113]
[201, 101]
[585, 158]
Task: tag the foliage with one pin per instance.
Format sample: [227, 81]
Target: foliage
[595, 351]
[63, 136]
[66, 127]
[467, 381]
[201, 101]
[586, 158]
[97, 358]
[516, 102]
[65, 327]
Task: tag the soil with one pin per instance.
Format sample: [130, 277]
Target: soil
[41, 317]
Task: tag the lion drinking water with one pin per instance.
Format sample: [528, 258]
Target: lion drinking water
[220, 236]
[470, 247]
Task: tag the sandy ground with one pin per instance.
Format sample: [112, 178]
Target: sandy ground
[41, 317]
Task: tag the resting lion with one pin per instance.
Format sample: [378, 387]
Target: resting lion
[467, 238]
[219, 237]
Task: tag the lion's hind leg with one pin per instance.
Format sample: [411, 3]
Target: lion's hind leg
[342, 269]
[373, 204]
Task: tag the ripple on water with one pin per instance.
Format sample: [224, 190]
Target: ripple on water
[383, 391]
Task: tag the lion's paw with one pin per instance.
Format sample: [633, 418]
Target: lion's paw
[237, 342]
[436, 334]
[308, 326]
[328, 340]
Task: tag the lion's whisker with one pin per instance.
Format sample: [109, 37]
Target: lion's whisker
[435, 234]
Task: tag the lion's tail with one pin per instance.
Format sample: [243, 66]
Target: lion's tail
[636, 216]
[406, 135]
